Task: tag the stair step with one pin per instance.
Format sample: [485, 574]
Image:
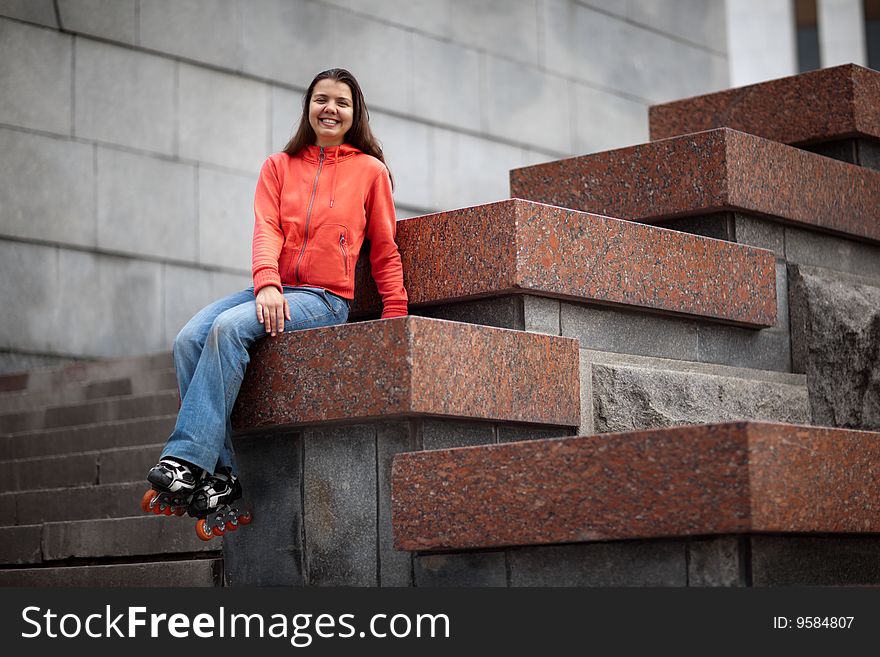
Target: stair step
[519, 247]
[826, 105]
[86, 438]
[90, 412]
[711, 172]
[78, 503]
[87, 371]
[428, 367]
[701, 480]
[192, 572]
[118, 465]
[70, 393]
[102, 539]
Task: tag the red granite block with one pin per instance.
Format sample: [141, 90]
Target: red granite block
[710, 172]
[683, 481]
[409, 367]
[825, 105]
[515, 246]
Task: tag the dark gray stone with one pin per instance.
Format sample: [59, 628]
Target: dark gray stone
[835, 328]
[717, 561]
[7, 510]
[815, 560]
[127, 463]
[739, 347]
[20, 544]
[719, 225]
[627, 398]
[82, 503]
[501, 312]
[53, 472]
[766, 349]
[618, 563]
[629, 332]
[508, 433]
[443, 434]
[192, 572]
[460, 569]
[760, 232]
[845, 150]
[541, 314]
[341, 535]
[270, 552]
[806, 247]
[395, 566]
[122, 537]
[92, 437]
[869, 154]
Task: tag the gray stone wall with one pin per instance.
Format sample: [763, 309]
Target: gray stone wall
[132, 130]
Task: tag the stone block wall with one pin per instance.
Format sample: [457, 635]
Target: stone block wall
[132, 130]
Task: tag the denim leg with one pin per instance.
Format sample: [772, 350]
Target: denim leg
[202, 433]
[190, 341]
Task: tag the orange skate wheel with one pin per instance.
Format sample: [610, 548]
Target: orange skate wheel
[201, 532]
[168, 511]
[147, 501]
[245, 518]
[179, 511]
[217, 531]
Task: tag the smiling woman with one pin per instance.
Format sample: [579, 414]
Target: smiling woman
[315, 204]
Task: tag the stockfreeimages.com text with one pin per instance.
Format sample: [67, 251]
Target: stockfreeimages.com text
[136, 622]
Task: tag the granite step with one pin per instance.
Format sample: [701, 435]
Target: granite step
[86, 371]
[77, 503]
[191, 572]
[118, 465]
[87, 437]
[336, 373]
[832, 111]
[518, 247]
[148, 404]
[147, 381]
[701, 175]
[703, 480]
[107, 538]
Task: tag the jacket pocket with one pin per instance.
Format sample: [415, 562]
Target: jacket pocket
[326, 259]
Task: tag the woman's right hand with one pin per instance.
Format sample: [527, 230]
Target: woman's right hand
[272, 309]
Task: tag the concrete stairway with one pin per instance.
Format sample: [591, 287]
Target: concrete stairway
[579, 345]
[76, 443]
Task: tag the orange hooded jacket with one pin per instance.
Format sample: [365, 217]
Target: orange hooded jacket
[312, 212]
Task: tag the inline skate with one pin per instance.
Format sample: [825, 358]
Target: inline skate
[211, 502]
[172, 484]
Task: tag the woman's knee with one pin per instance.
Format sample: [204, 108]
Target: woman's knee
[234, 324]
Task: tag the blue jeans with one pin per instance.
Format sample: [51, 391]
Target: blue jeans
[211, 355]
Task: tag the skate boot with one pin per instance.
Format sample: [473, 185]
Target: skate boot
[172, 487]
[211, 503]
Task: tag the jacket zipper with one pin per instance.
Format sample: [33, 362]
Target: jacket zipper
[309, 215]
[344, 252]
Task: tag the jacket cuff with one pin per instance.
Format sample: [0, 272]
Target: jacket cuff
[393, 310]
[267, 277]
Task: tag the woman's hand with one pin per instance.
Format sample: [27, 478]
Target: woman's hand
[272, 309]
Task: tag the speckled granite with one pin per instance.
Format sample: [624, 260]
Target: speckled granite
[516, 246]
[699, 480]
[710, 172]
[824, 105]
[409, 366]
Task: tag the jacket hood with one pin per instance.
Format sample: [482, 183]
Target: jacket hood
[332, 154]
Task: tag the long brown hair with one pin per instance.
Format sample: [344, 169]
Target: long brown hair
[359, 135]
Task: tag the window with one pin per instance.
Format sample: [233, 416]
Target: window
[807, 31]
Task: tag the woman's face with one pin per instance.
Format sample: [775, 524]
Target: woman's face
[330, 112]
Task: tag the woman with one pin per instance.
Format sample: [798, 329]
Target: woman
[315, 203]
